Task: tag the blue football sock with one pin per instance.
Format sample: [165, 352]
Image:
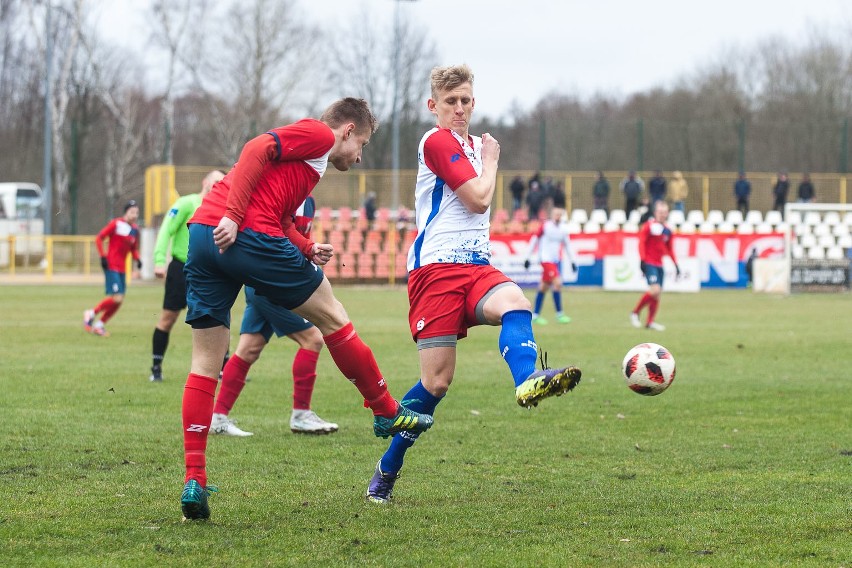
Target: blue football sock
[557, 301]
[419, 400]
[517, 344]
[539, 301]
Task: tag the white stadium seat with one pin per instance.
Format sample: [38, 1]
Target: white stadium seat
[618, 216]
[629, 227]
[706, 228]
[611, 227]
[745, 228]
[634, 216]
[847, 219]
[773, 217]
[763, 229]
[687, 228]
[676, 217]
[573, 227]
[579, 216]
[834, 253]
[840, 229]
[754, 217]
[725, 227]
[592, 227]
[826, 241]
[598, 216]
[797, 251]
[821, 229]
[795, 218]
[816, 253]
[715, 216]
[781, 227]
[807, 240]
[831, 218]
[844, 241]
[812, 218]
[696, 217]
[734, 216]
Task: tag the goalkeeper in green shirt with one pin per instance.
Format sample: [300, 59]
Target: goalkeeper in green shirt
[174, 235]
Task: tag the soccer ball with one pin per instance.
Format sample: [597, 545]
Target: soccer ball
[648, 369]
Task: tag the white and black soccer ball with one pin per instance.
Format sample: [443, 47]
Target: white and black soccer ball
[648, 369]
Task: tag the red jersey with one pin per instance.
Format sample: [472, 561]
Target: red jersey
[655, 242]
[276, 172]
[123, 238]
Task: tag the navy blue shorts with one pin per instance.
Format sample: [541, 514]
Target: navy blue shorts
[273, 266]
[264, 317]
[114, 282]
[654, 274]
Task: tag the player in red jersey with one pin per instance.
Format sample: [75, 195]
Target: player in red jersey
[243, 234]
[122, 238]
[655, 242]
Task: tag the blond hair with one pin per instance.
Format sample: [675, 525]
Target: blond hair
[450, 77]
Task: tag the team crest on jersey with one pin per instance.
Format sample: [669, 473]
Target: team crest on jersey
[455, 158]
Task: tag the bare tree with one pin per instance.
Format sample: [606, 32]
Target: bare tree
[251, 71]
[171, 30]
[364, 66]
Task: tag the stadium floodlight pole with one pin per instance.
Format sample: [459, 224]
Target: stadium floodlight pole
[48, 127]
[395, 118]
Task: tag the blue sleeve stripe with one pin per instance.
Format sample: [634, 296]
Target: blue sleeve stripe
[277, 144]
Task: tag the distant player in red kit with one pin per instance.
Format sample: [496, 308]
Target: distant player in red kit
[122, 238]
[655, 242]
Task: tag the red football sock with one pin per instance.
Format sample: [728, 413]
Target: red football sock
[110, 310]
[643, 301]
[652, 309]
[197, 413]
[105, 304]
[304, 377]
[355, 360]
[233, 380]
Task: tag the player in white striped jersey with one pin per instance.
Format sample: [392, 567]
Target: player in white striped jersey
[551, 242]
[451, 284]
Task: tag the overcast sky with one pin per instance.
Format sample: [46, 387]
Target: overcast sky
[520, 51]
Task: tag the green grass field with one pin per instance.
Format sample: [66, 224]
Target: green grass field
[745, 461]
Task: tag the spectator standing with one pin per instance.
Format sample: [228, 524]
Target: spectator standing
[370, 206]
[558, 195]
[632, 187]
[678, 191]
[535, 199]
[780, 191]
[742, 191]
[600, 192]
[806, 189]
[656, 189]
[517, 189]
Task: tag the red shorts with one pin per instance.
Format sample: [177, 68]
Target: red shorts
[443, 297]
[549, 272]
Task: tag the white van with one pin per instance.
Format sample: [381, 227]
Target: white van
[21, 216]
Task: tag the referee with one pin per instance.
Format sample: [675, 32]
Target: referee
[174, 233]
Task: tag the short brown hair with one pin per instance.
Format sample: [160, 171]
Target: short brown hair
[450, 77]
[352, 110]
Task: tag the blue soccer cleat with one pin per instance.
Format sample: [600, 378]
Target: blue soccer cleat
[380, 489]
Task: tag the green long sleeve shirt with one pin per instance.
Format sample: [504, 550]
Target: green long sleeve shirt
[174, 230]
